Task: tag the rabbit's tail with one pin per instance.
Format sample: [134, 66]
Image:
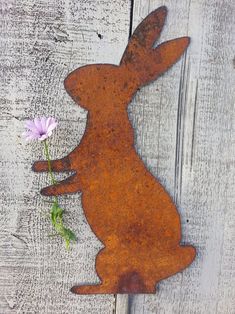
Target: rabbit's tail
[146, 62]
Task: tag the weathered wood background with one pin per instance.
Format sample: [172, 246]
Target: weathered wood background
[184, 133]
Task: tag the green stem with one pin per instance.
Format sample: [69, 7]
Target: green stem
[53, 180]
[56, 211]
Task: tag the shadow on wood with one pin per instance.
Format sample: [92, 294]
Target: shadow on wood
[128, 210]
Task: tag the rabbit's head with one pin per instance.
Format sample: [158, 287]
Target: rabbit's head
[101, 85]
[106, 87]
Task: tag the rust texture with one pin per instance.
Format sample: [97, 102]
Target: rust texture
[126, 207]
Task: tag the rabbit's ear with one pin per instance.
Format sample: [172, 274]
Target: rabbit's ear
[166, 54]
[141, 59]
[159, 60]
[146, 33]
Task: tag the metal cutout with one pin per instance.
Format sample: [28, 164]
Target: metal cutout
[126, 207]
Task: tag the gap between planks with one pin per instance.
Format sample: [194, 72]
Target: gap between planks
[122, 300]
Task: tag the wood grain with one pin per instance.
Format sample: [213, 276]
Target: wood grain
[184, 134]
[184, 124]
[41, 42]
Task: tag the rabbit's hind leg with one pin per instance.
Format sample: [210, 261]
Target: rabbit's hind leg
[173, 262]
[107, 270]
[93, 289]
[119, 273]
[122, 272]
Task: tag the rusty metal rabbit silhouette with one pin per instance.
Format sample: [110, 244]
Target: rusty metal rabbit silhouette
[126, 207]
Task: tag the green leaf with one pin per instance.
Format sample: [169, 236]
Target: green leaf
[56, 213]
[69, 234]
[57, 222]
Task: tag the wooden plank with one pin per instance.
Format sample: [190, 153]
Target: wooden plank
[122, 305]
[41, 42]
[183, 128]
[184, 134]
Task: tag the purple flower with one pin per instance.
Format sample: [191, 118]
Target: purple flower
[39, 128]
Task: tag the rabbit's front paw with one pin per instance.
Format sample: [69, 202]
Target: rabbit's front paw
[58, 165]
[67, 186]
[40, 166]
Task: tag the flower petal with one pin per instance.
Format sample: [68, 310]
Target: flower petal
[49, 133]
[38, 125]
[48, 122]
[29, 136]
[52, 126]
[43, 124]
[43, 137]
[31, 126]
[39, 128]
